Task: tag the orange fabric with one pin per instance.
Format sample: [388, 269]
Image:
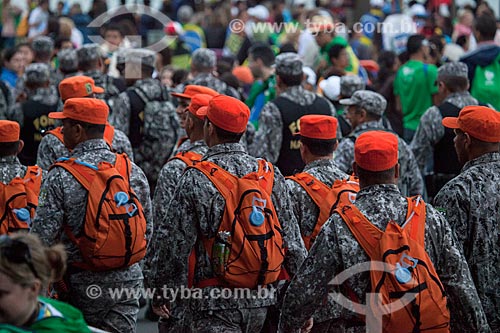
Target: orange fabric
[9, 131]
[192, 90]
[88, 110]
[197, 102]
[370, 65]
[109, 134]
[326, 198]
[243, 74]
[188, 157]
[19, 193]
[245, 266]
[480, 122]
[78, 86]
[227, 113]
[318, 127]
[113, 236]
[401, 247]
[376, 150]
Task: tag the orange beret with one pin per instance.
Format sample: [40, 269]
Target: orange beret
[9, 131]
[320, 127]
[197, 102]
[191, 90]
[376, 151]
[479, 121]
[78, 86]
[227, 113]
[244, 74]
[88, 110]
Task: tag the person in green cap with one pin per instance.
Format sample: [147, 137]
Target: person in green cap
[26, 268]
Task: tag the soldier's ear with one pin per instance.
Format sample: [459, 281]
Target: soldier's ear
[355, 169]
[20, 147]
[396, 171]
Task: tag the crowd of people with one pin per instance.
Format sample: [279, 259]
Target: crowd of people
[282, 156]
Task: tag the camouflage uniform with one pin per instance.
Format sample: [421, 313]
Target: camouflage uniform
[6, 100]
[410, 181]
[112, 86]
[51, 148]
[68, 63]
[10, 168]
[471, 204]
[336, 249]
[307, 212]
[430, 130]
[196, 209]
[145, 113]
[63, 203]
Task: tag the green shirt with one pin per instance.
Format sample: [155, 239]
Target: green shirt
[415, 84]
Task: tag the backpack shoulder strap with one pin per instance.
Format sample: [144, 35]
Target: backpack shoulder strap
[188, 157]
[415, 219]
[122, 164]
[57, 132]
[83, 172]
[109, 134]
[33, 178]
[265, 175]
[363, 230]
[223, 180]
[316, 189]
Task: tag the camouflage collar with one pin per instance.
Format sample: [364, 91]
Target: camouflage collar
[9, 160]
[88, 145]
[293, 91]
[484, 159]
[374, 124]
[319, 164]
[373, 191]
[225, 148]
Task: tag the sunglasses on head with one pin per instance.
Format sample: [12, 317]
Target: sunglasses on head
[16, 252]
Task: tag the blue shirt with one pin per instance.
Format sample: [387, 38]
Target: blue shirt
[9, 77]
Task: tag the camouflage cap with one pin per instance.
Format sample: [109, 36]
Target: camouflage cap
[288, 63]
[68, 60]
[371, 101]
[43, 44]
[89, 52]
[350, 84]
[37, 73]
[139, 56]
[455, 69]
[204, 58]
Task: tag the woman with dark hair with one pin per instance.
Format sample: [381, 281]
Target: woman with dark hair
[389, 64]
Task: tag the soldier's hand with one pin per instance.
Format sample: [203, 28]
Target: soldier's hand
[161, 311]
[307, 326]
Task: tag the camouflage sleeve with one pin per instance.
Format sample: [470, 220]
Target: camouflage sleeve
[466, 311]
[428, 133]
[268, 138]
[15, 113]
[334, 114]
[5, 104]
[49, 150]
[48, 223]
[121, 144]
[411, 175]
[139, 183]
[293, 242]
[119, 116]
[309, 287]
[344, 155]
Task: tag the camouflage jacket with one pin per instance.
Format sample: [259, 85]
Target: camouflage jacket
[410, 180]
[63, 202]
[51, 148]
[212, 82]
[196, 210]
[269, 137]
[10, 168]
[44, 96]
[471, 202]
[336, 249]
[106, 82]
[430, 130]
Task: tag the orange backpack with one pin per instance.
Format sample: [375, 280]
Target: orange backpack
[409, 294]
[188, 157]
[19, 200]
[109, 134]
[326, 198]
[248, 250]
[114, 232]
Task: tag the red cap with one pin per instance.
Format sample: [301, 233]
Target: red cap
[376, 151]
[318, 127]
[227, 113]
[78, 86]
[197, 102]
[192, 90]
[88, 110]
[479, 121]
[244, 74]
[9, 131]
